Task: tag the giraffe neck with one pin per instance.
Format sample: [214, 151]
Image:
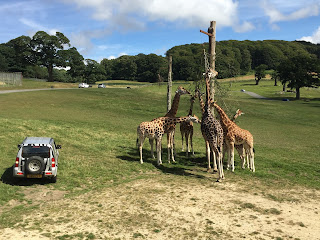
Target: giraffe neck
[201, 104]
[174, 108]
[223, 116]
[235, 117]
[191, 107]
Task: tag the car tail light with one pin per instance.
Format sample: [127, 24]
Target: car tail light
[17, 162]
[53, 161]
[19, 173]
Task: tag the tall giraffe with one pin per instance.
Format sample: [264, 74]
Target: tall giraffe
[156, 129]
[235, 136]
[208, 152]
[211, 128]
[186, 129]
[172, 114]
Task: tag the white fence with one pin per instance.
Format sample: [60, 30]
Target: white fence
[9, 79]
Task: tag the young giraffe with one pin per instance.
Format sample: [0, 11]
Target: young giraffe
[172, 114]
[156, 129]
[211, 129]
[186, 129]
[240, 149]
[235, 136]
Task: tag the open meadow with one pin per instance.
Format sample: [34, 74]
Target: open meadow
[103, 192]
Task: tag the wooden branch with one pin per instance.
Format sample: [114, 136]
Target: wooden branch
[209, 34]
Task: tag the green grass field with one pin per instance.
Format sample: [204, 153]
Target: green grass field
[97, 131]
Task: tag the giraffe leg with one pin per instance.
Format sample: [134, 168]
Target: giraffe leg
[172, 147]
[151, 145]
[220, 166]
[187, 145]
[225, 149]
[208, 156]
[182, 134]
[191, 136]
[251, 154]
[214, 156]
[141, 140]
[169, 145]
[231, 146]
[159, 161]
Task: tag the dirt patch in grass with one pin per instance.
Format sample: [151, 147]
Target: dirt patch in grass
[171, 207]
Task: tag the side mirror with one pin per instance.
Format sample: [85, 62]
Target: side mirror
[58, 147]
[19, 145]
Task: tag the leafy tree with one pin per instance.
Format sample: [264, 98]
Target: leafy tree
[48, 50]
[275, 77]
[149, 66]
[108, 66]
[300, 71]
[94, 71]
[73, 59]
[22, 53]
[125, 68]
[260, 72]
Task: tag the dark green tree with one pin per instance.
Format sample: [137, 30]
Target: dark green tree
[23, 56]
[48, 49]
[300, 71]
[125, 68]
[74, 60]
[260, 72]
[93, 72]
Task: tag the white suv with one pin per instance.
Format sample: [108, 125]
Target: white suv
[83, 85]
[37, 158]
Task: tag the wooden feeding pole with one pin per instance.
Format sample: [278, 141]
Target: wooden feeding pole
[212, 51]
[169, 89]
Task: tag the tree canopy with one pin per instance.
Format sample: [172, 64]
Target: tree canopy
[300, 71]
[32, 56]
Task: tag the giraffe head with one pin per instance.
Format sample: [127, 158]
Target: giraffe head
[181, 90]
[194, 119]
[211, 73]
[239, 112]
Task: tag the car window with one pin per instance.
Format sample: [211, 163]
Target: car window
[41, 151]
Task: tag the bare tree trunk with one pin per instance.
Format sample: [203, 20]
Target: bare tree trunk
[212, 60]
[50, 73]
[169, 89]
[297, 93]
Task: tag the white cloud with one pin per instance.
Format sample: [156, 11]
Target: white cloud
[278, 11]
[135, 13]
[314, 38]
[245, 27]
[34, 27]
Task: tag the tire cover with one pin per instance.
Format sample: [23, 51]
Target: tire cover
[35, 165]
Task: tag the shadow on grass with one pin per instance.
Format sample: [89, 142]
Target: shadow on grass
[7, 178]
[183, 166]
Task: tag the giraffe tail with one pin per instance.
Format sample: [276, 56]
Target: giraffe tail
[137, 142]
[254, 150]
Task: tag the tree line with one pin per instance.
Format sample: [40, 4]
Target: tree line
[42, 55]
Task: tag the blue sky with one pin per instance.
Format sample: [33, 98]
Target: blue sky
[111, 28]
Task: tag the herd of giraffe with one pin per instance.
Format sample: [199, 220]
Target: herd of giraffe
[221, 136]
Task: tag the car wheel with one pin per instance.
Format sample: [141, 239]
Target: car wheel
[53, 179]
[35, 165]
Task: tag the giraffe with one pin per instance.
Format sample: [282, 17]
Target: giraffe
[211, 129]
[235, 136]
[171, 113]
[240, 149]
[156, 129]
[186, 129]
[202, 106]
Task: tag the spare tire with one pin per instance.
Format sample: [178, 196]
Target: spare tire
[35, 165]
